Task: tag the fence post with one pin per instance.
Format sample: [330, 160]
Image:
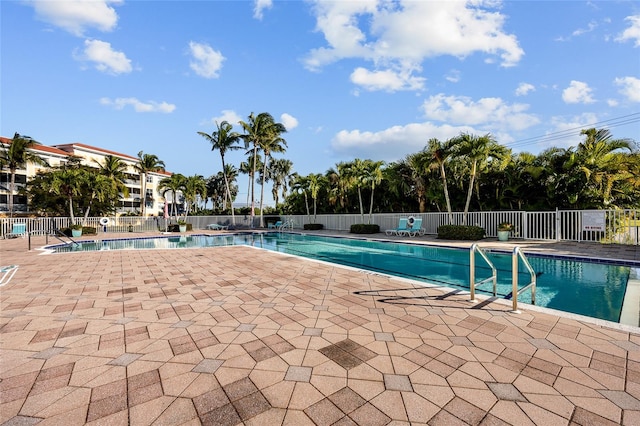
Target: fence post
[557, 225]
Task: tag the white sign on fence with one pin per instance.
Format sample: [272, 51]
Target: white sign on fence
[594, 221]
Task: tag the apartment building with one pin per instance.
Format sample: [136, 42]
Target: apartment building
[57, 155]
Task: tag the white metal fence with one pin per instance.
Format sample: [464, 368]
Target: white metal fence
[605, 226]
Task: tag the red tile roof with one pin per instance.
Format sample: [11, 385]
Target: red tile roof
[39, 147]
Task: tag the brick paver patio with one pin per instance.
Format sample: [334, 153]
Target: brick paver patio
[236, 335]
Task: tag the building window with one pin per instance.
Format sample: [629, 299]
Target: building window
[149, 179]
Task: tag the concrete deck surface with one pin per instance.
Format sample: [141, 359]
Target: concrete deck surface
[237, 335]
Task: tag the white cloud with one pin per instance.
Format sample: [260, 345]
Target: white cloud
[578, 92]
[590, 27]
[228, 115]
[524, 88]
[388, 80]
[487, 112]
[612, 102]
[138, 106]
[104, 57]
[401, 35]
[565, 132]
[394, 143]
[260, 6]
[76, 16]
[289, 121]
[630, 87]
[633, 32]
[206, 62]
[453, 76]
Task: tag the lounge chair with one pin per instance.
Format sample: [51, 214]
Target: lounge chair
[216, 227]
[414, 229]
[18, 230]
[402, 226]
[6, 273]
[275, 225]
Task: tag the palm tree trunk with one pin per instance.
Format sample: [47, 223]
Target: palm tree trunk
[143, 193]
[264, 177]
[446, 192]
[253, 182]
[12, 187]
[226, 184]
[73, 218]
[469, 193]
[371, 205]
[361, 207]
[306, 202]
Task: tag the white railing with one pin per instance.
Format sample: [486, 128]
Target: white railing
[605, 226]
[516, 257]
[472, 272]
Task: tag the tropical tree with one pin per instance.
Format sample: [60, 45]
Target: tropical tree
[16, 156]
[372, 177]
[440, 153]
[280, 172]
[146, 163]
[476, 150]
[269, 146]
[114, 169]
[223, 140]
[315, 183]
[300, 184]
[194, 188]
[68, 183]
[418, 167]
[259, 131]
[339, 183]
[601, 160]
[173, 184]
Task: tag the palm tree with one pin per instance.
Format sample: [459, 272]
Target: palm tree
[601, 160]
[301, 184]
[339, 182]
[258, 131]
[173, 184]
[146, 163]
[315, 183]
[373, 177]
[223, 140]
[275, 144]
[16, 156]
[114, 169]
[68, 182]
[440, 154]
[476, 150]
[418, 166]
[280, 174]
[194, 188]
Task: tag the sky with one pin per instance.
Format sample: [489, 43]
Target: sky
[349, 79]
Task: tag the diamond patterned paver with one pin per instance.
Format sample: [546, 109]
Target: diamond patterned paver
[234, 335]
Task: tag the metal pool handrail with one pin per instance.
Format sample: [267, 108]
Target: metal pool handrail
[472, 272]
[517, 254]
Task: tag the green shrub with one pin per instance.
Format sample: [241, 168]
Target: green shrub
[88, 230]
[364, 228]
[460, 232]
[313, 226]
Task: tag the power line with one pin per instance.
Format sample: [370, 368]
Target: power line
[575, 131]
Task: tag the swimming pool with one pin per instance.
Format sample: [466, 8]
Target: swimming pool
[594, 289]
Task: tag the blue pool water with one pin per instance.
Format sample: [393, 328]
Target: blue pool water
[578, 286]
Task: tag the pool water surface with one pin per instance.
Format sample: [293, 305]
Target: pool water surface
[571, 285]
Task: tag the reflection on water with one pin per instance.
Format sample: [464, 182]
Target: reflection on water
[586, 288]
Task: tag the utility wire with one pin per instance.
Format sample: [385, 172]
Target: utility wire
[575, 131]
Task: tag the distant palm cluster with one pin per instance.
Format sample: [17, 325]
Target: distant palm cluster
[465, 173]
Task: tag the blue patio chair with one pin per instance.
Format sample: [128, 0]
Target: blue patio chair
[6, 273]
[18, 230]
[275, 225]
[414, 229]
[216, 227]
[402, 226]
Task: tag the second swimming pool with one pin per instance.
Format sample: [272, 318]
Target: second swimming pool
[571, 285]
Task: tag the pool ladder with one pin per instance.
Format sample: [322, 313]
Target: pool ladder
[516, 256]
